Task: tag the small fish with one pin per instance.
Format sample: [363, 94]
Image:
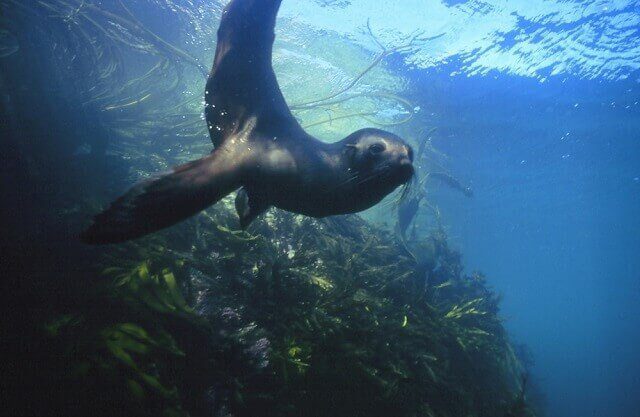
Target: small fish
[406, 214]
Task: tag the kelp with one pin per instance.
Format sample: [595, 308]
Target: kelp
[105, 37]
[345, 93]
[298, 316]
[101, 45]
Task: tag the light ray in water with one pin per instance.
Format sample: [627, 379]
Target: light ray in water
[8, 44]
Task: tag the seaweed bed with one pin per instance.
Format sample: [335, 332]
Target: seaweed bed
[296, 317]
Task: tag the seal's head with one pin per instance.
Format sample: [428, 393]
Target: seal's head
[379, 157]
[378, 162]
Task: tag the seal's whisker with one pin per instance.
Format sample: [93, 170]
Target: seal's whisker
[375, 174]
[350, 180]
[407, 189]
[344, 183]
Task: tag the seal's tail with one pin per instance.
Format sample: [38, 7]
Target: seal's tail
[162, 201]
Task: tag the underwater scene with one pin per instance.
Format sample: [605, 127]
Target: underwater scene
[246, 208]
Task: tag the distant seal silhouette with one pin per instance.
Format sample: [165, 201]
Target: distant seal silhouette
[259, 148]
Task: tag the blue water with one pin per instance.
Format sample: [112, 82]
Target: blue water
[554, 224]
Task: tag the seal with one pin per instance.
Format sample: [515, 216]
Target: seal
[259, 148]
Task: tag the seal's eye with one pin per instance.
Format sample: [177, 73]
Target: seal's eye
[376, 148]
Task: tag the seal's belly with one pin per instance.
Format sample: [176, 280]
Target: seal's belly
[313, 199]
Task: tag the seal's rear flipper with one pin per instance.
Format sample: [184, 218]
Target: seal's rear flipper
[163, 201]
[249, 206]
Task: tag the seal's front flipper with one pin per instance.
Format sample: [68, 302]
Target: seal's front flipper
[163, 201]
[242, 84]
[249, 207]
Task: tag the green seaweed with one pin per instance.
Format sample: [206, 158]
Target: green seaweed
[295, 317]
[347, 324]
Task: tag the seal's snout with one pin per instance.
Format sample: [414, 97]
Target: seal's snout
[405, 163]
[405, 169]
[409, 152]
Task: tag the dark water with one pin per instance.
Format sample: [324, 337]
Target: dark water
[536, 108]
